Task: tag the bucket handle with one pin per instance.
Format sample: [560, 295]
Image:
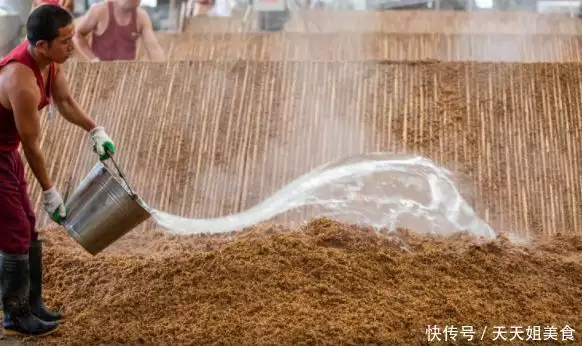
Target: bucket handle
[68, 188]
[121, 175]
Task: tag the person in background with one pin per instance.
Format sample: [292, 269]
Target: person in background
[69, 5]
[115, 27]
[30, 77]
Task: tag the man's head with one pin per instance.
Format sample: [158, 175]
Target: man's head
[129, 5]
[50, 30]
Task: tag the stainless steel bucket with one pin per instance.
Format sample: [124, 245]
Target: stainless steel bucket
[102, 209]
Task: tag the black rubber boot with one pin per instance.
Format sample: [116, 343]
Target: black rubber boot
[15, 280]
[36, 302]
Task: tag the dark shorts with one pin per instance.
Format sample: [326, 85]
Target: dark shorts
[17, 219]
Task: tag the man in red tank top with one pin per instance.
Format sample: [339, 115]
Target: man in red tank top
[29, 79]
[115, 27]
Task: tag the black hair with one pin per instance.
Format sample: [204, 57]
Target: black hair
[45, 21]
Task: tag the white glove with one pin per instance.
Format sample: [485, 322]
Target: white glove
[95, 60]
[54, 205]
[102, 142]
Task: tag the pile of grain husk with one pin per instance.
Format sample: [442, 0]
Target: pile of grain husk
[324, 282]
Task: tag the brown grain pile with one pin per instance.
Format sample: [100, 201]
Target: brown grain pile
[326, 283]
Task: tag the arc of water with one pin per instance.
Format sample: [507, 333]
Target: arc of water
[447, 209]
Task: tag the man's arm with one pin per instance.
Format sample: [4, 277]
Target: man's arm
[24, 98]
[66, 104]
[87, 24]
[150, 41]
[70, 110]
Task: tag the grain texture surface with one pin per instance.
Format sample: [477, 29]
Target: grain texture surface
[327, 283]
[369, 46]
[204, 139]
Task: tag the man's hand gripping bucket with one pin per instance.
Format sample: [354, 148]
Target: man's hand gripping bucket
[103, 208]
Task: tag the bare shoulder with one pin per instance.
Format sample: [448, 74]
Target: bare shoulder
[18, 84]
[97, 11]
[17, 76]
[101, 10]
[143, 18]
[88, 21]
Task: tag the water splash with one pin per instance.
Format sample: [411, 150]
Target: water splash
[377, 189]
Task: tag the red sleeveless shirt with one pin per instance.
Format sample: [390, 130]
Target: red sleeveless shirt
[9, 137]
[116, 42]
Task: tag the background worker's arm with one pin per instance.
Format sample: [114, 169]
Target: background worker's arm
[66, 104]
[24, 98]
[87, 24]
[150, 41]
